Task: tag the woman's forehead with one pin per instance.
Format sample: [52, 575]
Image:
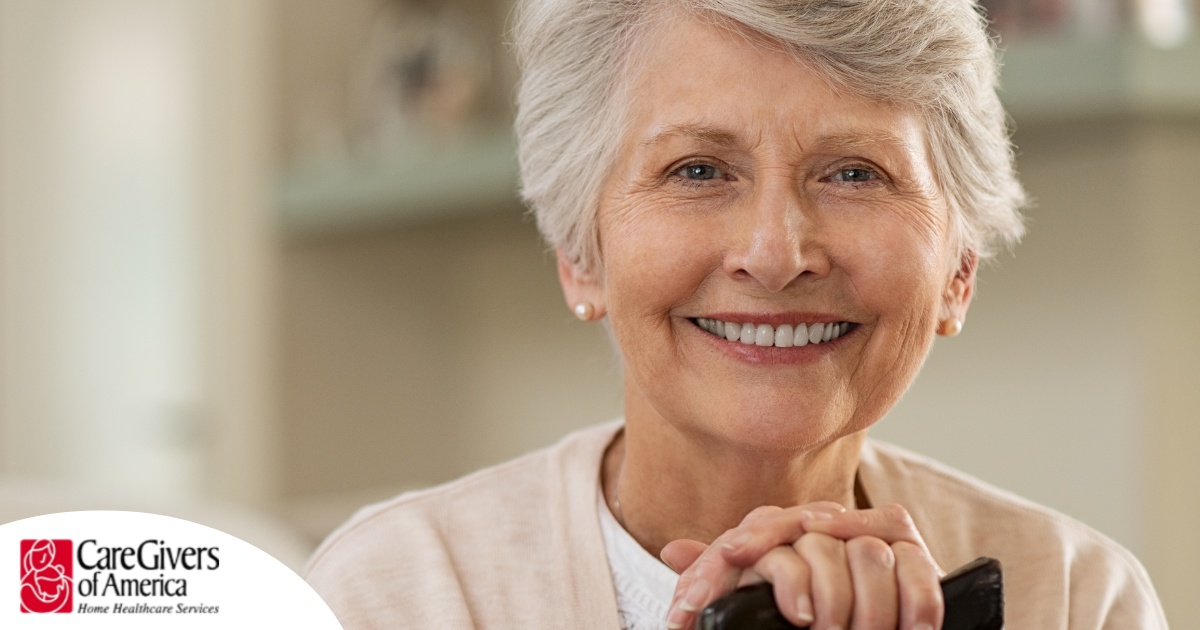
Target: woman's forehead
[704, 84]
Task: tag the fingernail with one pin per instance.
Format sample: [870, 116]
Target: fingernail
[923, 626]
[804, 609]
[696, 595]
[675, 618]
[737, 541]
[809, 515]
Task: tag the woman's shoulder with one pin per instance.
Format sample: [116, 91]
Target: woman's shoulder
[1055, 566]
[477, 498]
[892, 474]
[455, 542]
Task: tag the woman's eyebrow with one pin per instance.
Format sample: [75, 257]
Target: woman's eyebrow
[861, 139]
[844, 140]
[699, 132]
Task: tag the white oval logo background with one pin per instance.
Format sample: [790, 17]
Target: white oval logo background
[250, 588]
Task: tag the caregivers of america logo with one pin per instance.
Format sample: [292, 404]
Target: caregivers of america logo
[46, 570]
[149, 577]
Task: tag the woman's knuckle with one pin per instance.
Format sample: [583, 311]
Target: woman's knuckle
[916, 557]
[873, 617]
[896, 515]
[707, 564]
[826, 505]
[814, 543]
[926, 601]
[872, 551]
[760, 512]
[782, 564]
[905, 549]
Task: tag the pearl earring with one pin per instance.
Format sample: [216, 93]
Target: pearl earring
[585, 311]
[950, 327]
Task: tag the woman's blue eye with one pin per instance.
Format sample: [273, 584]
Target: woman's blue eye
[855, 175]
[699, 171]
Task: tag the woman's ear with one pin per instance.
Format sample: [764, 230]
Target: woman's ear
[957, 297]
[583, 290]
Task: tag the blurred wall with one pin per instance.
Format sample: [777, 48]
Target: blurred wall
[100, 159]
[414, 356]
[137, 244]
[1171, 294]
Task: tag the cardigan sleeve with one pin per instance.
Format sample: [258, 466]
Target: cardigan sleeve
[389, 570]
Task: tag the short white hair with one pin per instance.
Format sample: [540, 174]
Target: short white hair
[934, 56]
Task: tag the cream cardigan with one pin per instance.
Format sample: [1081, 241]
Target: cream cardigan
[519, 546]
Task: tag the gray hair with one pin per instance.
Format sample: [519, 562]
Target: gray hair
[932, 55]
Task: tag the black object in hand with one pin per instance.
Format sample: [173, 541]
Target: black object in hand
[974, 596]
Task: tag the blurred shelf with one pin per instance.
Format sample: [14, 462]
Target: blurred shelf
[1047, 78]
[1044, 79]
[423, 183]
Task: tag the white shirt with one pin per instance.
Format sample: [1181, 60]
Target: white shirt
[643, 583]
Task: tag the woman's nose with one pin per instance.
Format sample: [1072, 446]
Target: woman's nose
[774, 240]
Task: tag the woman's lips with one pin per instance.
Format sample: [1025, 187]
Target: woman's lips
[778, 336]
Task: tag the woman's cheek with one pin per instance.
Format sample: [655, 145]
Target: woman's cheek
[896, 273]
[658, 254]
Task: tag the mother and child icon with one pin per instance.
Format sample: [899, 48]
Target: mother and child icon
[46, 582]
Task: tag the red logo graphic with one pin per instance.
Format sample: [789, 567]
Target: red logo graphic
[47, 567]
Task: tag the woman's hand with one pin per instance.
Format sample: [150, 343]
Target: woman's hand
[830, 568]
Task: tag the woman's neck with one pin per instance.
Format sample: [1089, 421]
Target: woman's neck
[663, 485]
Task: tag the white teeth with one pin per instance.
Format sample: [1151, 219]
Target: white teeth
[801, 337]
[765, 335]
[783, 336]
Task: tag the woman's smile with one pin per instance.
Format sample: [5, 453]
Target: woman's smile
[749, 338]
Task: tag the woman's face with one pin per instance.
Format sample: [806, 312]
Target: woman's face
[747, 191]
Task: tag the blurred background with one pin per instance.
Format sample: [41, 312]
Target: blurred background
[261, 262]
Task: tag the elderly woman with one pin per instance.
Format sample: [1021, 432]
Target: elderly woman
[775, 205]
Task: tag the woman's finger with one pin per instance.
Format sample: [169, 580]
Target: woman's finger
[750, 578]
[759, 513]
[791, 581]
[764, 530]
[920, 593]
[832, 587]
[708, 575]
[873, 572]
[708, 578]
[681, 554]
[890, 523]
